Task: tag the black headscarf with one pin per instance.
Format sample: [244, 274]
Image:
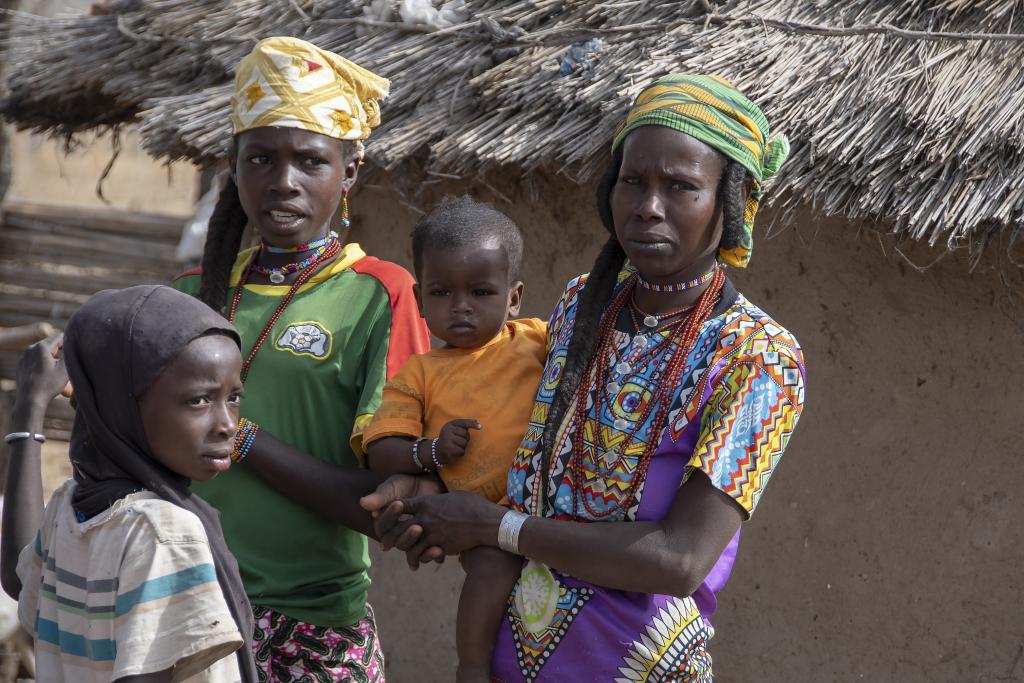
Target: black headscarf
[115, 346]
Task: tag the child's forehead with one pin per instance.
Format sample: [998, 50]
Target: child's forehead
[488, 255]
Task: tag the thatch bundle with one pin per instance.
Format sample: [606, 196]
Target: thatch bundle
[909, 113]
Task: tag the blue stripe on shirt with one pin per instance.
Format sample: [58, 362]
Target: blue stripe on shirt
[165, 586]
[101, 650]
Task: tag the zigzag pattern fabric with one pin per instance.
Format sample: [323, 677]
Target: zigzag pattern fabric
[733, 410]
[712, 110]
[293, 83]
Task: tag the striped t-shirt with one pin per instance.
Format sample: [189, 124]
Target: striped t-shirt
[128, 592]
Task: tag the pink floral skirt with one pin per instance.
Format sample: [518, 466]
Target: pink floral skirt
[290, 651]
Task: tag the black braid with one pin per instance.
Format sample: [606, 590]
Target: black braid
[732, 194]
[600, 286]
[593, 301]
[223, 240]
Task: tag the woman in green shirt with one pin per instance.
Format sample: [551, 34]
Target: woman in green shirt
[323, 326]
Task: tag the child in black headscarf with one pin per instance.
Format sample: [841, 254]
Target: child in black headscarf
[128, 577]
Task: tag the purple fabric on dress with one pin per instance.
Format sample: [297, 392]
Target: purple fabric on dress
[663, 479]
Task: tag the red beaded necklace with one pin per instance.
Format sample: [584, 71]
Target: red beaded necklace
[332, 250]
[684, 332]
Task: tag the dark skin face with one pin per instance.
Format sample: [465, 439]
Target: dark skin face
[291, 181]
[665, 206]
[190, 411]
[465, 294]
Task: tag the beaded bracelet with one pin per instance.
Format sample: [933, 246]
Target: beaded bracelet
[246, 434]
[416, 455]
[433, 455]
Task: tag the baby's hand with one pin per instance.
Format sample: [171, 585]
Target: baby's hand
[453, 439]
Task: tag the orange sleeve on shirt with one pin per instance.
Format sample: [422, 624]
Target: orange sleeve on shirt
[401, 408]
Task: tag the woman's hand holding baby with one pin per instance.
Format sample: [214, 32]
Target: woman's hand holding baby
[452, 522]
[453, 440]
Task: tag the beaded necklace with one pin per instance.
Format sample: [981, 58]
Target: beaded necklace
[278, 274]
[676, 286]
[653, 320]
[327, 254]
[684, 333]
[308, 246]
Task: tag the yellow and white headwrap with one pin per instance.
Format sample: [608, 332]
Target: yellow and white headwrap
[292, 83]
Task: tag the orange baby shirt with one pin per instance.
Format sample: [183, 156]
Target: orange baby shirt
[494, 384]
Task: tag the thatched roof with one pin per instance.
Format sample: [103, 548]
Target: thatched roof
[910, 113]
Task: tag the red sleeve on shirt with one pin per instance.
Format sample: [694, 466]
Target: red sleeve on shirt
[409, 334]
[198, 270]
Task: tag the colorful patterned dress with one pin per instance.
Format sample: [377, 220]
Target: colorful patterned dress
[738, 401]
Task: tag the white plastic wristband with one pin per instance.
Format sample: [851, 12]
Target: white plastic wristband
[508, 531]
[21, 436]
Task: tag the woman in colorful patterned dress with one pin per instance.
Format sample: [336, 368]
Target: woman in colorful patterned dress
[666, 403]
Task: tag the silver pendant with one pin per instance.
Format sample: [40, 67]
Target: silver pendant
[650, 321]
[620, 424]
[613, 388]
[276, 276]
[622, 367]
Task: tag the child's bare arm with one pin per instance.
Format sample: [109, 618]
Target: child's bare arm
[394, 454]
[41, 376]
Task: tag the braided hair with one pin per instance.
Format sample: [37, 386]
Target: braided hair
[223, 240]
[597, 293]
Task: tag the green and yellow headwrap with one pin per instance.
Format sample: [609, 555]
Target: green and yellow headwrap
[293, 83]
[712, 110]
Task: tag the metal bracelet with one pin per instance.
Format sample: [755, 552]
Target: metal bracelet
[416, 455]
[21, 436]
[433, 455]
[508, 531]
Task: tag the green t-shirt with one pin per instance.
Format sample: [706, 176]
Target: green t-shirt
[314, 384]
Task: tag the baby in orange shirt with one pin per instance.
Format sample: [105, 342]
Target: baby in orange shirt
[461, 410]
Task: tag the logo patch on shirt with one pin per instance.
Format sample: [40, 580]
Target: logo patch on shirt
[305, 339]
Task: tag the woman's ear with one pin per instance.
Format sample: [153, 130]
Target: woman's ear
[353, 160]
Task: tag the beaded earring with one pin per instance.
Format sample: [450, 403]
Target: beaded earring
[345, 222]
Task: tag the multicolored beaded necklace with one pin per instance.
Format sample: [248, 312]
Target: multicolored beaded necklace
[653, 320]
[323, 256]
[676, 286]
[308, 246]
[683, 333]
[277, 275]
